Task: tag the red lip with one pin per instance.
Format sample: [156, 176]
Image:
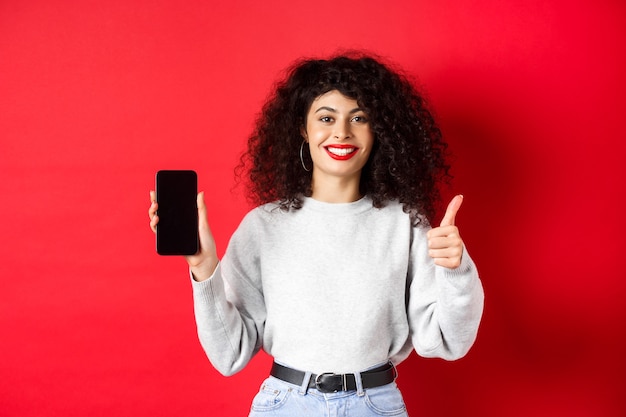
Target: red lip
[342, 157]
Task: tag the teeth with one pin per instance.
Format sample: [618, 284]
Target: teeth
[341, 151]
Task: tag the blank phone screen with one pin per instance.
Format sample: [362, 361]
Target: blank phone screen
[177, 230]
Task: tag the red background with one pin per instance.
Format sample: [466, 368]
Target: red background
[96, 96]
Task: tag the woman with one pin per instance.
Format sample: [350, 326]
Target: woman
[337, 272]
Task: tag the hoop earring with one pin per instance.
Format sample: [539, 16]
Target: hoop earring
[301, 157]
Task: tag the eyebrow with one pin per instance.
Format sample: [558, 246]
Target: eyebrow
[330, 109]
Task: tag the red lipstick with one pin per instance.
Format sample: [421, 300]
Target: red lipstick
[341, 152]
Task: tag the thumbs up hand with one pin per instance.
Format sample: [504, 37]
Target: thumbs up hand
[445, 245]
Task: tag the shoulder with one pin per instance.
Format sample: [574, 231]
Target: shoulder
[263, 214]
[266, 212]
[392, 209]
[259, 221]
[394, 212]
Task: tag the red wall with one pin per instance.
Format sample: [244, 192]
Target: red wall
[96, 96]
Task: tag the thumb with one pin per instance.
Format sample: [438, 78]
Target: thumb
[202, 214]
[203, 222]
[204, 230]
[453, 208]
[200, 200]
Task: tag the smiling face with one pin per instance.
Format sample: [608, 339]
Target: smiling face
[340, 140]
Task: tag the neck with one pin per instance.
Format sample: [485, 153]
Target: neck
[336, 190]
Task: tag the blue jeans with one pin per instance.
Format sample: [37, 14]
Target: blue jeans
[278, 398]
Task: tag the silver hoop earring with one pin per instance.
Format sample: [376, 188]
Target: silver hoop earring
[302, 158]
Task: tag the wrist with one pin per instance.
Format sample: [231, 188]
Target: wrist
[204, 270]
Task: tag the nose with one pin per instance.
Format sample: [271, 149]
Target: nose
[343, 130]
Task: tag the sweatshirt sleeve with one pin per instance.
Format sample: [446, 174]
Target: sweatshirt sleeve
[229, 307]
[445, 306]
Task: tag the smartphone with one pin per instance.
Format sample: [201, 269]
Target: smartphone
[177, 230]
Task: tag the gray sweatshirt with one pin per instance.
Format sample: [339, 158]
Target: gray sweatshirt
[334, 288]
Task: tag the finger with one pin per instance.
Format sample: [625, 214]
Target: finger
[442, 231]
[450, 263]
[153, 223]
[206, 237]
[453, 208]
[202, 218]
[154, 219]
[445, 242]
[451, 252]
[153, 209]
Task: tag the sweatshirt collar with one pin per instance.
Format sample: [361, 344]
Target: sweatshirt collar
[355, 207]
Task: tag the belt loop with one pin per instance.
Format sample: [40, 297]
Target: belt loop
[305, 384]
[359, 384]
[395, 370]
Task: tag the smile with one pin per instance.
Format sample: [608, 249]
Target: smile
[341, 152]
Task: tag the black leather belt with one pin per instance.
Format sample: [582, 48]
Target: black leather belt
[330, 382]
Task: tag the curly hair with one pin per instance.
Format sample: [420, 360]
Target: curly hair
[408, 159]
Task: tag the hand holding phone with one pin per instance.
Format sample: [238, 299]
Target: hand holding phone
[203, 262]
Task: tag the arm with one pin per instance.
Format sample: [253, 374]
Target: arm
[229, 305]
[445, 307]
[224, 314]
[230, 321]
[445, 293]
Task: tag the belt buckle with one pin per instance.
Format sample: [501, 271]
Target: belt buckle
[321, 388]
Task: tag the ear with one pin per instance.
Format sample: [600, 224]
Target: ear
[303, 133]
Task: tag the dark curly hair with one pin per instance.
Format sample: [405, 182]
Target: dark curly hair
[407, 162]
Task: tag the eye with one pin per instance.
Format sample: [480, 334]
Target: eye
[326, 119]
[359, 119]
